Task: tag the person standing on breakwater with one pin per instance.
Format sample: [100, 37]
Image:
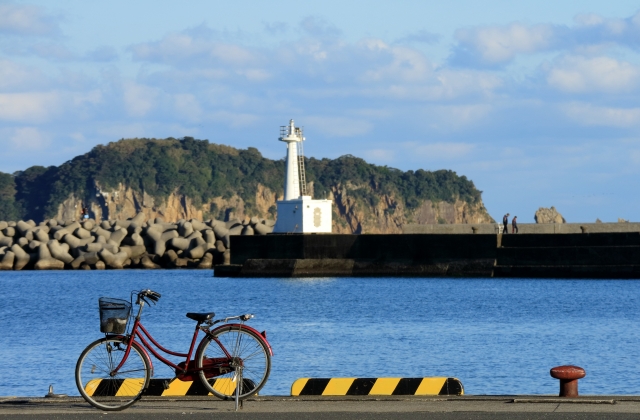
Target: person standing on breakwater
[514, 225]
[505, 222]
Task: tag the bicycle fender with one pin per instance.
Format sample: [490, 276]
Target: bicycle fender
[248, 328]
[141, 347]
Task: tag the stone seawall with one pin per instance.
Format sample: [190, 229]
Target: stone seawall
[116, 244]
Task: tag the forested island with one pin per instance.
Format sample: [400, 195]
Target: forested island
[188, 178]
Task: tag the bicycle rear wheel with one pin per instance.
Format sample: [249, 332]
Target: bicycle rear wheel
[245, 346]
[96, 383]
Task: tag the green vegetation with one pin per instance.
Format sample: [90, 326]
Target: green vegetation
[413, 187]
[9, 209]
[202, 170]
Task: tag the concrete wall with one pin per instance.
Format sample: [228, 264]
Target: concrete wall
[375, 247]
[571, 255]
[540, 240]
[614, 255]
[546, 228]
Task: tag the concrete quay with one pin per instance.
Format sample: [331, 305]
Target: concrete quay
[265, 407]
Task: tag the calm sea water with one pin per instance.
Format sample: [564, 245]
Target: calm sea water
[498, 336]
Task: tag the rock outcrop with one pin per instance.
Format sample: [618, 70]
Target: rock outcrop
[548, 215]
[115, 244]
[388, 215]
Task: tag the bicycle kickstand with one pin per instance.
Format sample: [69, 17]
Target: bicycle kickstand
[238, 377]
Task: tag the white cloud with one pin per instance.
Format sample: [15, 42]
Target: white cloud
[599, 74]
[443, 85]
[439, 150]
[314, 49]
[43, 107]
[52, 51]
[140, 99]
[495, 45]
[318, 27]
[234, 119]
[424, 37]
[500, 44]
[446, 120]
[458, 116]
[78, 136]
[29, 139]
[456, 83]
[339, 126]
[591, 115]
[82, 99]
[589, 19]
[177, 48]
[407, 65]
[26, 20]
[32, 107]
[255, 75]
[16, 76]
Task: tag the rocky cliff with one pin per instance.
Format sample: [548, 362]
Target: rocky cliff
[388, 214]
[351, 214]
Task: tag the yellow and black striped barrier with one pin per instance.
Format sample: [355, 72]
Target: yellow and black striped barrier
[158, 387]
[377, 386]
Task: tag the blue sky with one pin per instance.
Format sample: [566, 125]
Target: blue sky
[536, 102]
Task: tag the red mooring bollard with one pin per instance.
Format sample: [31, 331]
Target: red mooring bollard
[568, 376]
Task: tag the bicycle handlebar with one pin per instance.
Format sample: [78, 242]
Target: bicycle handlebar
[150, 294]
[153, 296]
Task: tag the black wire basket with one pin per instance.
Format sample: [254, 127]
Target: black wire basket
[114, 315]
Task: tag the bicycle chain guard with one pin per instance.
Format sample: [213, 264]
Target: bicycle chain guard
[212, 367]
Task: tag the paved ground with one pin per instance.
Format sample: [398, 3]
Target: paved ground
[268, 408]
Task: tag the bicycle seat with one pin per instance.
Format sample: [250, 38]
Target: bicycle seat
[201, 317]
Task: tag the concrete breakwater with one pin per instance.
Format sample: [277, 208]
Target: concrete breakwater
[571, 255]
[523, 228]
[133, 243]
[375, 255]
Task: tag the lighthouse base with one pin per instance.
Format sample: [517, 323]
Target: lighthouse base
[303, 215]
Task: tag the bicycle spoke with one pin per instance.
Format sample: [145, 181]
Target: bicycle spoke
[244, 346]
[103, 388]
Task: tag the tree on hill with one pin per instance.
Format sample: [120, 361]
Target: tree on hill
[9, 210]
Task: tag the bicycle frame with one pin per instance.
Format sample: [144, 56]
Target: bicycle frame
[141, 332]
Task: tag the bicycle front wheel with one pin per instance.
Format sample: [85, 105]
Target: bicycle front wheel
[103, 389]
[246, 348]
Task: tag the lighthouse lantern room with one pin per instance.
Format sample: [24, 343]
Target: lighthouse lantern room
[298, 212]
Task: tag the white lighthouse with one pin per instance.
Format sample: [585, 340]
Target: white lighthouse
[298, 212]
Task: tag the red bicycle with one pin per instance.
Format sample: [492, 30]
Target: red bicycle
[232, 360]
